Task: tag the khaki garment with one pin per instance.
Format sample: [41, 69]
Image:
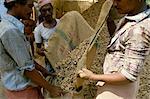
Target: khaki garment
[128, 91]
[27, 93]
[70, 32]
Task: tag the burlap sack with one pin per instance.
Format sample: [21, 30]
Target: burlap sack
[81, 56]
[70, 32]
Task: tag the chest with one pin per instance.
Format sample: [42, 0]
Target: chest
[119, 41]
[46, 33]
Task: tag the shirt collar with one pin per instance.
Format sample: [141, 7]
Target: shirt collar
[18, 24]
[139, 17]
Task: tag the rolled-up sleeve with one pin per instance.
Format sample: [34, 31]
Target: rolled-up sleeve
[16, 47]
[137, 48]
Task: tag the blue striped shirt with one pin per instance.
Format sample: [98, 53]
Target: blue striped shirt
[14, 54]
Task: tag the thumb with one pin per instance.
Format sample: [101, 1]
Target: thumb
[80, 71]
[82, 75]
[85, 70]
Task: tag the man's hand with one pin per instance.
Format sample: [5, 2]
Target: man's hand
[55, 91]
[40, 51]
[36, 77]
[85, 73]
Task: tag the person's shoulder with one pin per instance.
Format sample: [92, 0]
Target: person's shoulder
[6, 27]
[144, 24]
[140, 29]
[38, 27]
[57, 19]
[6, 24]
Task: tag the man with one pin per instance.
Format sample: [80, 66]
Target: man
[126, 52]
[45, 29]
[19, 74]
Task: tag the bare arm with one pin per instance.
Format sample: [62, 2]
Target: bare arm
[35, 76]
[114, 78]
[43, 70]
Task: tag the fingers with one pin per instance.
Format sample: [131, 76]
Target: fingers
[85, 70]
[80, 71]
[58, 92]
[82, 75]
[63, 93]
[85, 73]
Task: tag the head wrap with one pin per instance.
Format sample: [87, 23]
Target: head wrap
[9, 1]
[43, 2]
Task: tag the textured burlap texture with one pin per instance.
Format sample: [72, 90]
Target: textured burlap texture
[70, 32]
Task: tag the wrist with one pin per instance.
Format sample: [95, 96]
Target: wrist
[92, 76]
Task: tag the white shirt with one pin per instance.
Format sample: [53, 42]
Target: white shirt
[42, 33]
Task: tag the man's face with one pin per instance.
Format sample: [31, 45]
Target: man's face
[47, 12]
[24, 11]
[125, 6]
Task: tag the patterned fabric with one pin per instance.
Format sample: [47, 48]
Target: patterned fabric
[130, 46]
[14, 54]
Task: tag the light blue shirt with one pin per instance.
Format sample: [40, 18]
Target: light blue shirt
[3, 9]
[14, 54]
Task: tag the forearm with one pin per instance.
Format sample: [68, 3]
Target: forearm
[35, 76]
[115, 78]
[39, 67]
[42, 70]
